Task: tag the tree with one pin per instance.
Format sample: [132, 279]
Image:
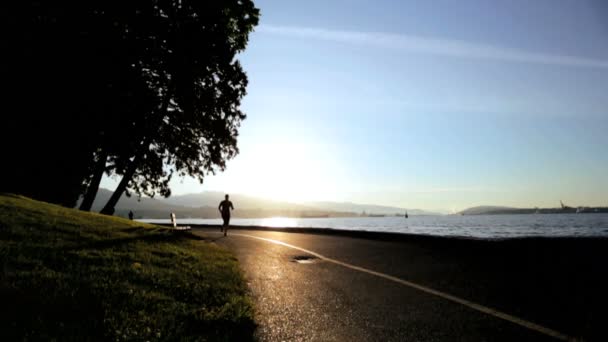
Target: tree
[189, 55]
[60, 69]
[141, 89]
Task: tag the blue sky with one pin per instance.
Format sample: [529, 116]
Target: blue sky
[436, 105]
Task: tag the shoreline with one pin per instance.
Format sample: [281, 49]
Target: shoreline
[392, 236]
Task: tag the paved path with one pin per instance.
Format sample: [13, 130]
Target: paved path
[365, 290]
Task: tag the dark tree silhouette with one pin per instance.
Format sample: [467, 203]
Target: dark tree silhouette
[140, 89]
[62, 70]
[199, 84]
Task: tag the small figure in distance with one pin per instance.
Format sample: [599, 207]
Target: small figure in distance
[224, 209]
[173, 220]
[130, 215]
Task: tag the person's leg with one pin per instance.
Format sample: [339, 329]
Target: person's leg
[227, 224]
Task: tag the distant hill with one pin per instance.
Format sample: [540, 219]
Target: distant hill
[143, 208]
[213, 198]
[368, 208]
[495, 210]
[204, 205]
[487, 210]
[131, 203]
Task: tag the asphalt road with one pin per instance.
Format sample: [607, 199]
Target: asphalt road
[324, 300]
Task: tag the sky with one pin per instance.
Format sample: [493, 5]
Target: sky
[437, 105]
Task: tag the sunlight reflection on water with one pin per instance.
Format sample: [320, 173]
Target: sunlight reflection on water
[278, 222]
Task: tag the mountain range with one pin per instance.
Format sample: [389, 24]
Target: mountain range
[496, 210]
[204, 205]
[486, 210]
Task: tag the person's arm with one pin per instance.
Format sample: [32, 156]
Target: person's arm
[220, 207]
[231, 206]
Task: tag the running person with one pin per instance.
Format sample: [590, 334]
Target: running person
[224, 209]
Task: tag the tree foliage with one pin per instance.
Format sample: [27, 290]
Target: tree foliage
[139, 89]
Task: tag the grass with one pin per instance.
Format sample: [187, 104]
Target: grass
[71, 275]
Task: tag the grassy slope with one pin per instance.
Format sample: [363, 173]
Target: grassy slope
[72, 275]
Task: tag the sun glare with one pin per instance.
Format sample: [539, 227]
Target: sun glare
[278, 222]
[286, 172]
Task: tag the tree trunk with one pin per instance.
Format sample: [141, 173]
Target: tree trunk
[89, 196]
[108, 209]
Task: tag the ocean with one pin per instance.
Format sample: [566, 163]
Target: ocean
[478, 226]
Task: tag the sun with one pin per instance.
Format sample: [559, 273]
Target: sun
[287, 172]
[284, 171]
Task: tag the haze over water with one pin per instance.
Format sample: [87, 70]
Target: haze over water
[478, 226]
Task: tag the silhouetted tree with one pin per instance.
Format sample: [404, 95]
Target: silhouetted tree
[142, 89]
[61, 72]
[191, 62]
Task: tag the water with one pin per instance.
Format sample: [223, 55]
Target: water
[479, 226]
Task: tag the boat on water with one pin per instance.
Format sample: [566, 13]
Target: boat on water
[564, 207]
